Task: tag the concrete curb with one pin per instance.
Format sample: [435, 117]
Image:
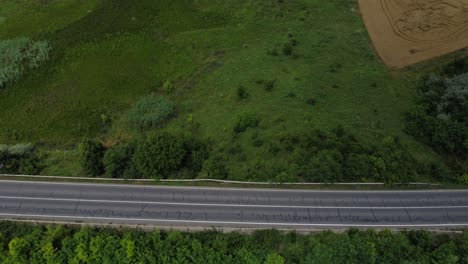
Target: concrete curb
[210, 180]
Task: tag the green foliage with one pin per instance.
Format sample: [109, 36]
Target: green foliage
[242, 93]
[108, 54]
[287, 49]
[150, 112]
[214, 168]
[392, 163]
[159, 155]
[246, 120]
[269, 85]
[19, 158]
[168, 87]
[91, 156]
[325, 166]
[59, 244]
[18, 55]
[197, 151]
[338, 156]
[441, 118]
[118, 162]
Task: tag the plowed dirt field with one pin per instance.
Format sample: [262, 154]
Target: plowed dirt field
[406, 32]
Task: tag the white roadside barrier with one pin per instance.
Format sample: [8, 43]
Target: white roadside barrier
[207, 180]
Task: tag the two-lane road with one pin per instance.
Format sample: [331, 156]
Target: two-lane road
[230, 207]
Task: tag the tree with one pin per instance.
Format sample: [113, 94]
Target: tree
[18, 249]
[91, 155]
[445, 254]
[159, 155]
[274, 258]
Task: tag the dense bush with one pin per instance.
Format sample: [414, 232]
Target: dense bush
[338, 156]
[33, 244]
[242, 93]
[150, 112]
[441, 117]
[18, 55]
[214, 168]
[19, 158]
[324, 166]
[91, 156]
[196, 152]
[159, 155]
[118, 162]
[246, 120]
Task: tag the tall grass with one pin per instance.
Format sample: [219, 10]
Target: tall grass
[19, 54]
[150, 112]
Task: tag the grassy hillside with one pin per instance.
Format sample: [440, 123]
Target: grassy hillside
[301, 65]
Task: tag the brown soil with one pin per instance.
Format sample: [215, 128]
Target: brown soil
[406, 32]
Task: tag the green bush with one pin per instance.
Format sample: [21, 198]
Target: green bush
[246, 120]
[19, 158]
[214, 168]
[91, 156]
[18, 55]
[287, 49]
[159, 155]
[338, 156]
[392, 163]
[441, 117]
[325, 166]
[150, 112]
[118, 161]
[242, 93]
[30, 243]
[269, 85]
[197, 152]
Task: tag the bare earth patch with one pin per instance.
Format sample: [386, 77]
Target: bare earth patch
[406, 32]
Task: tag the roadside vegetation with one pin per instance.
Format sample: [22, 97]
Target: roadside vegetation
[21, 243]
[19, 159]
[252, 90]
[19, 55]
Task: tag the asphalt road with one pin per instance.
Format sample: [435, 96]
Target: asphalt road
[232, 208]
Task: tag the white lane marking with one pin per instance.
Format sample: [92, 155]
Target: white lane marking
[230, 205]
[228, 222]
[194, 188]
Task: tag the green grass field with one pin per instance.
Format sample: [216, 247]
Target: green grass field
[108, 54]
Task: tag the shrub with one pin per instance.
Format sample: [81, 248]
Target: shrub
[242, 93]
[118, 161]
[457, 67]
[357, 167]
[440, 119]
[269, 85]
[311, 101]
[392, 163]
[214, 168]
[17, 55]
[287, 49]
[273, 52]
[150, 112]
[244, 121]
[159, 155]
[168, 87]
[325, 166]
[19, 158]
[91, 156]
[196, 153]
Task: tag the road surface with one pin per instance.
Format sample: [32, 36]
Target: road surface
[231, 208]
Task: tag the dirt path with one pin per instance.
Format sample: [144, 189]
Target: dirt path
[406, 32]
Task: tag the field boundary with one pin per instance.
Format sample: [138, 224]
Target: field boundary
[209, 181]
